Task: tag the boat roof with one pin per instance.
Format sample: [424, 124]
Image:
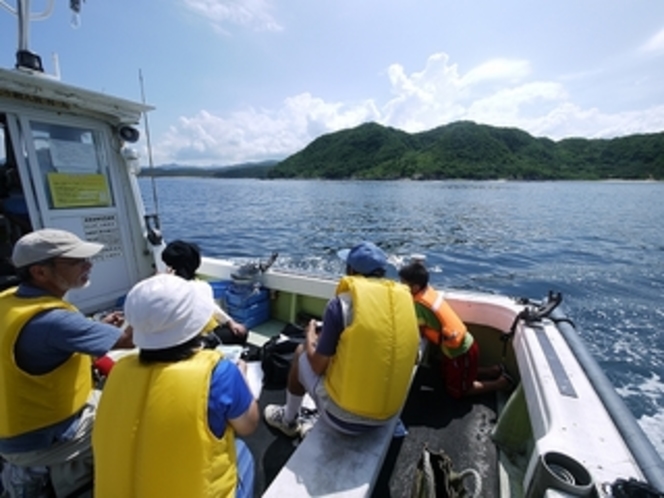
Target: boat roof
[42, 89]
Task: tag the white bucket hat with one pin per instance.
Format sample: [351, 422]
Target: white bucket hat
[166, 310]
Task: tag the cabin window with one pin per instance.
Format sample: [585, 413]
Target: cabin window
[73, 165]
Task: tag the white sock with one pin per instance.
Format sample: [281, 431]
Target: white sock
[293, 403]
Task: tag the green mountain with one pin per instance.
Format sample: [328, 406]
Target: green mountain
[244, 170]
[466, 150]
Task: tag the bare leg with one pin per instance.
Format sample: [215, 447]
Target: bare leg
[285, 417]
[481, 387]
[294, 390]
[489, 373]
[294, 386]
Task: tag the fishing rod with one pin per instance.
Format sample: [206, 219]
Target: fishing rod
[152, 224]
[155, 199]
[154, 234]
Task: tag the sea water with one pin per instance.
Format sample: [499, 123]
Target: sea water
[599, 243]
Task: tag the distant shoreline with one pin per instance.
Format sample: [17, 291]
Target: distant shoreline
[459, 151]
[204, 174]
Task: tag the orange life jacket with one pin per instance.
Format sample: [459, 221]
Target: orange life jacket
[452, 330]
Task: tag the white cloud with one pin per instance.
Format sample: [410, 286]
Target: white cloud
[255, 14]
[496, 93]
[498, 69]
[655, 43]
[257, 134]
[424, 99]
[524, 106]
[567, 120]
[439, 94]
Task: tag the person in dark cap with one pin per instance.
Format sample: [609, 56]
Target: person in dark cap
[183, 258]
[344, 368]
[46, 351]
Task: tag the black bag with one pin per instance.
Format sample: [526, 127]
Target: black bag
[631, 488]
[227, 336]
[277, 355]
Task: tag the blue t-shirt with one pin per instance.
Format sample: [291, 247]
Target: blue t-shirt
[333, 326]
[51, 337]
[229, 397]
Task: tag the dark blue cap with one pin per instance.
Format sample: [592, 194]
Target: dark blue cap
[365, 258]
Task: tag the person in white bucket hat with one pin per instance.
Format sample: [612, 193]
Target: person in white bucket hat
[46, 352]
[169, 415]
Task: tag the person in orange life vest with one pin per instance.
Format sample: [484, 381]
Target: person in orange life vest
[169, 415]
[443, 328]
[358, 367]
[48, 404]
[183, 258]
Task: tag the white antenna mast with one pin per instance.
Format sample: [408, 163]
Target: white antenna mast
[24, 58]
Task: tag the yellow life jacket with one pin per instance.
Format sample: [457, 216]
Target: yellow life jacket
[210, 325]
[452, 330]
[370, 373]
[29, 402]
[151, 437]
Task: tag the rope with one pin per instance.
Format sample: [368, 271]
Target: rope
[478, 480]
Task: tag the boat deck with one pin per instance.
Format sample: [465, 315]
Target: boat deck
[459, 427]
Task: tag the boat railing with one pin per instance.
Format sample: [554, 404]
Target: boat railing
[644, 453]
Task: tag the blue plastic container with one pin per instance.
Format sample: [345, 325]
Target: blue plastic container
[243, 297]
[219, 288]
[251, 315]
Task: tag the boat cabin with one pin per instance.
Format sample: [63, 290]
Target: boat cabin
[66, 162]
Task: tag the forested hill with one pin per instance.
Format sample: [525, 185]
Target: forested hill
[465, 150]
[243, 170]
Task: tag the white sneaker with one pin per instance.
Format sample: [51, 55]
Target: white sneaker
[275, 417]
[307, 420]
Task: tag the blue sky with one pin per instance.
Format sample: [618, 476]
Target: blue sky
[248, 80]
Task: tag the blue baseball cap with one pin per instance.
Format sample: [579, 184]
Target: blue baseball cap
[365, 258]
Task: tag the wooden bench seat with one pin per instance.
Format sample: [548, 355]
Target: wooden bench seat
[327, 463]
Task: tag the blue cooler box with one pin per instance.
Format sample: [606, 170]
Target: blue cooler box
[219, 288]
[251, 315]
[241, 297]
[248, 305]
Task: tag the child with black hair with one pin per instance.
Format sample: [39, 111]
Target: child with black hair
[183, 259]
[443, 328]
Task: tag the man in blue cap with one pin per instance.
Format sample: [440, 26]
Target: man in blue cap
[357, 368]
